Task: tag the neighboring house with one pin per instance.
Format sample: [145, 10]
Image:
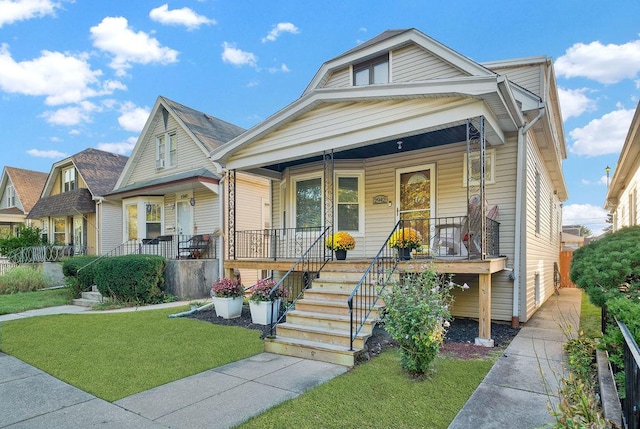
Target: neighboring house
[622, 197]
[571, 242]
[19, 191]
[399, 128]
[169, 191]
[72, 209]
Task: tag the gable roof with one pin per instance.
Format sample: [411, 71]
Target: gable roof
[207, 132]
[28, 185]
[99, 169]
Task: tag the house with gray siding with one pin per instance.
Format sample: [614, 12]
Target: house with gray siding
[403, 131]
[19, 191]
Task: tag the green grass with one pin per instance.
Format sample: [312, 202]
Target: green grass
[590, 317]
[23, 301]
[379, 395]
[116, 355]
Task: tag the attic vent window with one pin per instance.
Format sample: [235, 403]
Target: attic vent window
[372, 72]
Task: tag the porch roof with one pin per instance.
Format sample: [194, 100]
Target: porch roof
[69, 203]
[169, 184]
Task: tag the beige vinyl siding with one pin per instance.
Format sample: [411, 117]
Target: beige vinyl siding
[351, 123]
[542, 248]
[415, 63]
[623, 211]
[92, 233]
[530, 77]
[111, 225]
[189, 155]
[276, 196]
[339, 79]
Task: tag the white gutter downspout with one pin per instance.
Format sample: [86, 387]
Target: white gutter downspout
[520, 227]
[222, 171]
[99, 219]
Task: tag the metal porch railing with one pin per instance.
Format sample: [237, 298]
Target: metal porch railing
[275, 244]
[199, 246]
[50, 253]
[631, 402]
[299, 277]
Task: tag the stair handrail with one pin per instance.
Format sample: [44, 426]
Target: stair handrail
[382, 267]
[302, 260]
[108, 254]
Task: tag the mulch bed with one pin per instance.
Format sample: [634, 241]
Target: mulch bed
[458, 343]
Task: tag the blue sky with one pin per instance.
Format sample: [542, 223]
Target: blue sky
[79, 74]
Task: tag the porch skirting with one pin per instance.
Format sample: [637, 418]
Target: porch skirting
[191, 278]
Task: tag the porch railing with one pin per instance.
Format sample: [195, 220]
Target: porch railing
[25, 255]
[299, 277]
[199, 246]
[274, 244]
[631, 402]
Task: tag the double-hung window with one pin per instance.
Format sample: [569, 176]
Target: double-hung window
[11, 196]
[308, 202]
[166, 148]
[371, 72]
[153, 220]
[472, 168]
[349, 201]
[69, 179]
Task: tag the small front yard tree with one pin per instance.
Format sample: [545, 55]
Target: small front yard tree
[27, 236]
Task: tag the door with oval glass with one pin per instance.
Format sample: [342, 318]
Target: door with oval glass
[415, 200]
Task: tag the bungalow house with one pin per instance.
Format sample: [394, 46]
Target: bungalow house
[402, 131]
[170, 197]
[71, 208]
[19, 191]
[622, 196]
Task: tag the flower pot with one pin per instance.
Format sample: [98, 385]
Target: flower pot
[404, 253]
[228, 308]
[262, 312]
[341, 254]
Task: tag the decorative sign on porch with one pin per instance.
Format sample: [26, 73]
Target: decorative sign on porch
[380, 199]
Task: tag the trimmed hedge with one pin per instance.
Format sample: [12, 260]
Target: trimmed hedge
[133, 278]
[86, 276]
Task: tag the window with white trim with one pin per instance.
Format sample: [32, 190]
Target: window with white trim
[349, 201]
[307, 196]
[153, 220]
[59, 231]
[372, 72]
[69, 179]
[11, 196]
[489, 167]
[166, 150]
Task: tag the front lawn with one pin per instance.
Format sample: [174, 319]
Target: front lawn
[116, 355]
[23, 301]
[378, 394]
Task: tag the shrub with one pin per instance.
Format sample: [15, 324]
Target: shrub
[417, 316]
[133, 278]
[23, 278]
[261, 291]
[82, 269]
[227, 288]
[26, 237]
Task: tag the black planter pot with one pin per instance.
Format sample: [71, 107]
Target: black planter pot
[404, 253]
[341, 255]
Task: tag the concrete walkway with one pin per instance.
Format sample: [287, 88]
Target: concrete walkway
[222, 397]
[518, 388]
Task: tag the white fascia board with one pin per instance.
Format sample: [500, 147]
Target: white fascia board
[471, 109]
[516, 62]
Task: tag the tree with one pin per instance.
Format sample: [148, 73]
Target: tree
[27, 236]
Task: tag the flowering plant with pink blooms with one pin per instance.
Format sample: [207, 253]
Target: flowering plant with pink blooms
[261, 290]
[227, 288]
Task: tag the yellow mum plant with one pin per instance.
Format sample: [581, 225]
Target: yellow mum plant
[341, 240]
[405, 238]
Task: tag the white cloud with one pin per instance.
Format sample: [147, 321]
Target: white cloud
[602, 63]
[47, 153]
[62, 78]
[113, 35]
[602, 136]
[122, 148]
[574, 102]
[593, 217]
[238, 57]
[132, 117]
[278, 29]
[72, 115]
[184, 16]
[283, 69]
[21, 10]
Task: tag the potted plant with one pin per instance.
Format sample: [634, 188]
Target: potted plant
[263, 308]
[340, 242]
[405, 240]
[227, 298]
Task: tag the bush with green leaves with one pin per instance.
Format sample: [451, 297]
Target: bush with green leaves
[82, 270]
[417, 315]
[27, 236]
[609, 267]
[131, 278]
[23, 278]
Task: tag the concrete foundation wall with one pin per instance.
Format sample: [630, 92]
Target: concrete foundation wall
[188, 279]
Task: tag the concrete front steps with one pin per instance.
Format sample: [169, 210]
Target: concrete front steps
[319, 327]
[89, 299]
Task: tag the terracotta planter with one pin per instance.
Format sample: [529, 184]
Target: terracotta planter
[228, 308]
[341, 254]
[262, 312]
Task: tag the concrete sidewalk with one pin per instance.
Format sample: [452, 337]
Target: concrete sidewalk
[518, 388]
[219, 398]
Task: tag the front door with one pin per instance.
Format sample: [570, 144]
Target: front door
[184, 218]
[415, 198]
